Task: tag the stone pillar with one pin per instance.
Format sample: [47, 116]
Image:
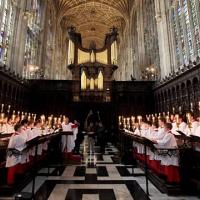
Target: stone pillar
[19, 38]
[43, 37]
[163, 37]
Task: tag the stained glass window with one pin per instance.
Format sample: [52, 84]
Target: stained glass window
[195, 24]
[176, 38]
[186, 30]
[31, 68]
[6, 29]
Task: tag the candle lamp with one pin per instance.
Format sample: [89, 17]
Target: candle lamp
[42, 118]
[8, 109]
[2, 116]
[188, 115]
[55, 120]
[128, 123]
[167, 118]
[177, 120]
[49, 120]
[119, 120]
[133, 119]
[22, 117]
[191, 107]
[34, 118]
[2, 105]
[139, 119]
[13, 117]
[180, 109]
[59, 120]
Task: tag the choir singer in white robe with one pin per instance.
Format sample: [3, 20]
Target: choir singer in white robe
[14, 159]
[68, 142]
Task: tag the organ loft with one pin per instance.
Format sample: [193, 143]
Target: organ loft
[92, 69]
[99, 99]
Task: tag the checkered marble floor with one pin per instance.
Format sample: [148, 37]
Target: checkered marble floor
[98, 177]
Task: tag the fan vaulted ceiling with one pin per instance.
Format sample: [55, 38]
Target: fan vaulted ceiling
[94, 18]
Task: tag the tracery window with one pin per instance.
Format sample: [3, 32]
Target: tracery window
[188, 28]
[176, 38]
[195, 24]
[6, 29]
[31, 68]
[185, 24]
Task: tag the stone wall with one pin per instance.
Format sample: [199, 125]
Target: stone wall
[138, 46]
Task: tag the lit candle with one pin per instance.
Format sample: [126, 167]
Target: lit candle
[119, 118]
[9, 109]
[2, 116]
[22, 116]
[34, 118]
[59, 120]
[13, 117]
[139, 119]
[29, 116]
[173, 110]
[191, 107]
[163, 114]
[153, 118]
[2, 105]
[179, 108]
[55, 120]
[167, 118]
[42, 118]
[133, 119]
[49, 120]
[177, 118]
[199, 105]
[189, 117]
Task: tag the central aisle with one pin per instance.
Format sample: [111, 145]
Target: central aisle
[98, 177]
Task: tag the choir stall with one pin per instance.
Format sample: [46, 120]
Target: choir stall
[173, 180]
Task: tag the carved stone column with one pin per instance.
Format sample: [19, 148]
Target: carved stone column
[163, 37]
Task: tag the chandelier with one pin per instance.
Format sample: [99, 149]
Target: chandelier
[150, 73]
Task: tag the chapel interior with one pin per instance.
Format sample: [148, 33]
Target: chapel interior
[99, 99]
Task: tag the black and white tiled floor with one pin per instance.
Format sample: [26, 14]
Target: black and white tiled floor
[98, 177]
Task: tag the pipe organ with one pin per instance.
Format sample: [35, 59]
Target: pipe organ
[92, 69]
[70, 52]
